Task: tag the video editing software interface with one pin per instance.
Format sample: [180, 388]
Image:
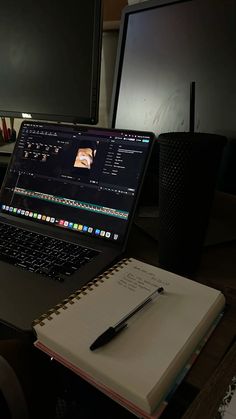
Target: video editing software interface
[78, 178]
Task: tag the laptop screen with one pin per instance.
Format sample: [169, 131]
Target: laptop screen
[80, 178]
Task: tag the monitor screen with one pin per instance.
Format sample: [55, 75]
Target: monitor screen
[85, 179]
[50, 60]
[163, 47]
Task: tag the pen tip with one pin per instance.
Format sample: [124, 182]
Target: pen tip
[92, 347]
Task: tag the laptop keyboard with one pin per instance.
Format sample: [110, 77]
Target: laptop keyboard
[41, 254]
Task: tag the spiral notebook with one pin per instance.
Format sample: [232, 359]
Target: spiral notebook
[142, 364]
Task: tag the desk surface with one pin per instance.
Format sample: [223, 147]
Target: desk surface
[7, 149]
[217, 269]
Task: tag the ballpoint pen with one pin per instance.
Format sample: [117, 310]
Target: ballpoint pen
[1, 137]
[113, 331]
[12, 130]
[4, 129]
[12, 123]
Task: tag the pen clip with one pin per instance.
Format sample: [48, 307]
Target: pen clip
[140, 306]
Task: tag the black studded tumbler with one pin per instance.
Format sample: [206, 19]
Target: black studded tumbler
[188, 170]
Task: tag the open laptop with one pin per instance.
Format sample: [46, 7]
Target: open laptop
[67, 203]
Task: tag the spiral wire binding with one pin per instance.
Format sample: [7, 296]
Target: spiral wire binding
[57, 309]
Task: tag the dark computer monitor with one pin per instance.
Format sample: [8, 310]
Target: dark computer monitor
[50, 60]
[164, 46]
